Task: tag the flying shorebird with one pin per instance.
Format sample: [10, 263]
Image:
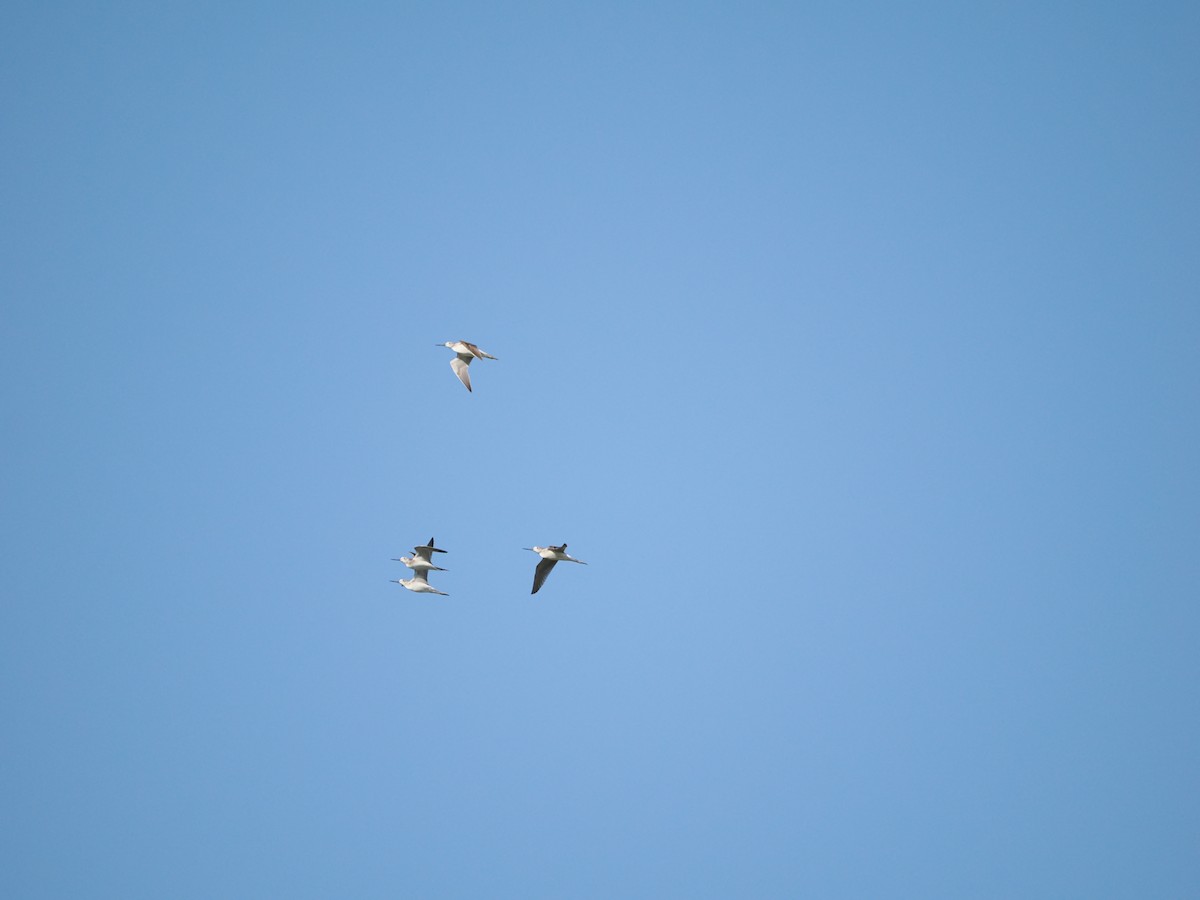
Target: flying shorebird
[464, 353]
[422, 558]
[550, 556]
[417, 561]
[419, 584]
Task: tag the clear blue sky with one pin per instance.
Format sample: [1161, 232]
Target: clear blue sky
[855, 346]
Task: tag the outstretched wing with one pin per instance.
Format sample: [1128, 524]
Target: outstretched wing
[459, 365]
[479, 354]
[540, 573]
[426, 551]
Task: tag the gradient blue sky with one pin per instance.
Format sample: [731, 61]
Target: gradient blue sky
[855, 346]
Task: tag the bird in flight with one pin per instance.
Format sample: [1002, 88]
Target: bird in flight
[419, 584]
[550, 556]
[417, 561]
[421, 564]
[464, 352]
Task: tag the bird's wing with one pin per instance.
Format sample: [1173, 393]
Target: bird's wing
[482, 354]
[540, 573]
[459, 365]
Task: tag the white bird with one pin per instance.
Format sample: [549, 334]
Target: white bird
[422, 558]
[419, 584]
[464, 352]
[550, 556]
[417, 561]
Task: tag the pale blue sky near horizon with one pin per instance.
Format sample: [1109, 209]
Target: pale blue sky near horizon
[854, 347]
